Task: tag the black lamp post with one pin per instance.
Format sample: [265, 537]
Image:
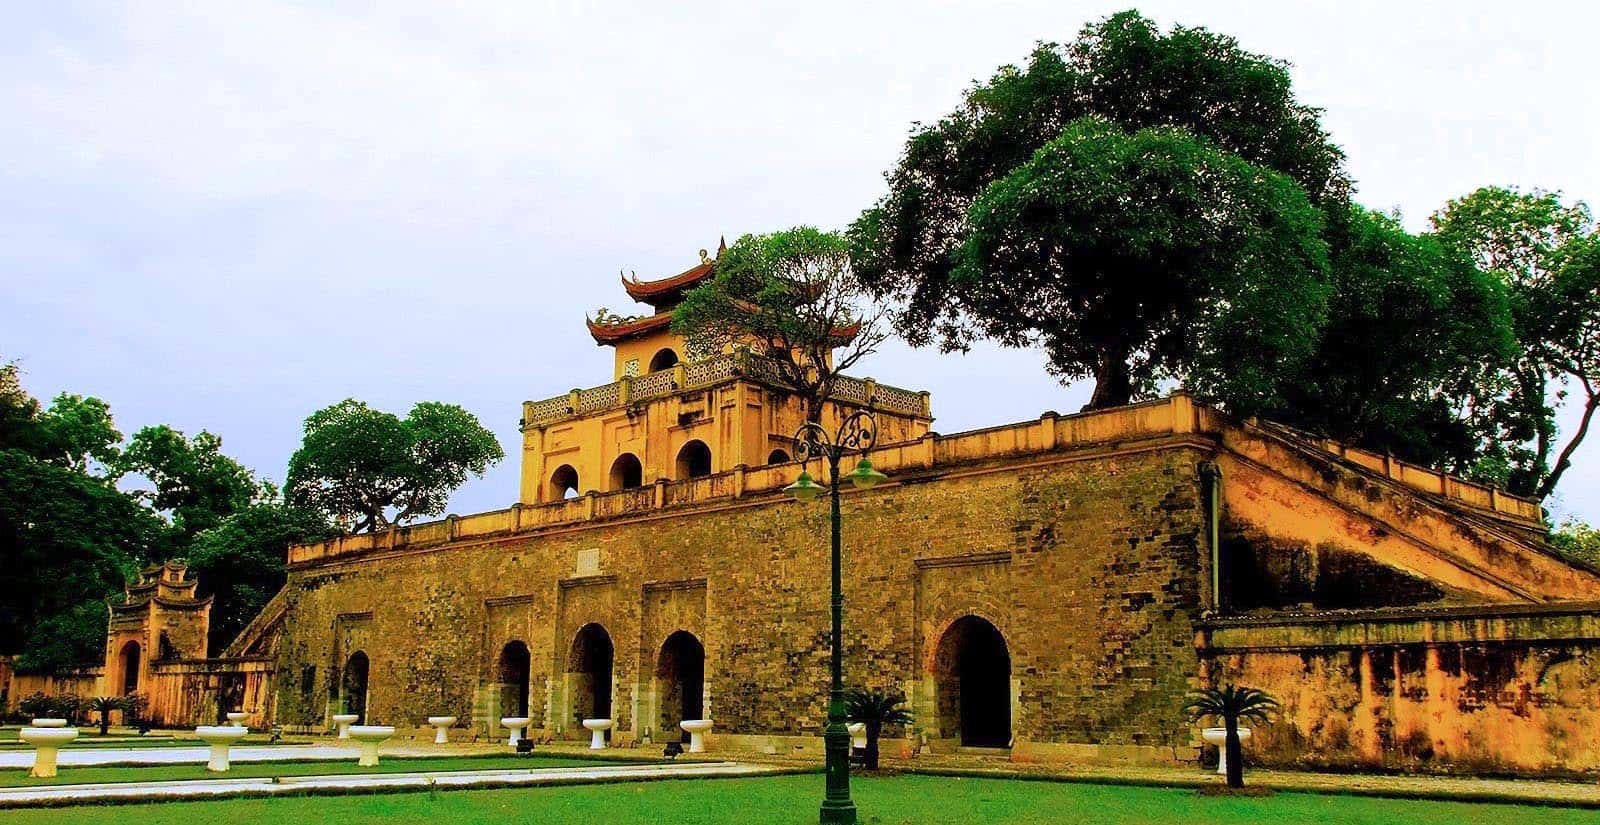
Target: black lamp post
[855, 434]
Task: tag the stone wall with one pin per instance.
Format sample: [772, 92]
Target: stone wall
[1464, 690]
[1088, 563]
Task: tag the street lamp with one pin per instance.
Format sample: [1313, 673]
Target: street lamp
[855, 434]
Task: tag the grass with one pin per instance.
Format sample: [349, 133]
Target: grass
[904, 800]
[16, 777]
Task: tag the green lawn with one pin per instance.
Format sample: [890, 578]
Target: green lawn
[911, 800]
[13, 777]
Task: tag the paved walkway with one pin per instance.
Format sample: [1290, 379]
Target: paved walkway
[266, 786]
[79, 757]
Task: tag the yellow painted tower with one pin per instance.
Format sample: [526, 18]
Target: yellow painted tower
[671, 413]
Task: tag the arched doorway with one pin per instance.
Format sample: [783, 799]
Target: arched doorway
[626, 473]
[972, 679]
[694, 460]
[589, 674]
[353, 685]
[563, 483]
[514, 668]
[778, 457]
[680, 684]
[663, 360]
[130, 668]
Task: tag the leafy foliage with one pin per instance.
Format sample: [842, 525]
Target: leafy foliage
[105, 706]
[240, 562]
[357, 464]
[1548, 255]
[1578, 541]
[1136, 257]
[1122, 71]
[1408, 358]
[193, 480]
[68, 537]
[39, 706]
[876, 709]
[1232, 704]
[791, 297]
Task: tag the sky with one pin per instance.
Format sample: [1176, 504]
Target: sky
[224, 216]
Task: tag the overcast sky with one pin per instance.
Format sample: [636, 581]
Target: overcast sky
[224, 216]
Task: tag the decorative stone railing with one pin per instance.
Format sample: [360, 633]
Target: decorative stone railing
[709, 373]
[1175, 416]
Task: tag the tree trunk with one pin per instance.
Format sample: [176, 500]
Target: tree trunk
[1565, 460]
[1113, 386]
[874, 730]
[1234, 752]
[105, 722]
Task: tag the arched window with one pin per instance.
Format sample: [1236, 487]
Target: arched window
[664, 360]
[626, 472]
[563, 483]
[778, 457]
[694, 460]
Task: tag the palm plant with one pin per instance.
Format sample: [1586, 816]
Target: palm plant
[875, 708]
[1231, 704]
[104, 705]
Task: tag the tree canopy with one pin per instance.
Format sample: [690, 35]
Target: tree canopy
[368, 469]
[193, 479]
[1122, 70]
[791, 297]
[1545, 252]
[1133, 257]
[240, 561]
[1407, 358]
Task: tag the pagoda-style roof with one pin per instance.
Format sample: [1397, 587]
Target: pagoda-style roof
[606, 332]
[669, 291]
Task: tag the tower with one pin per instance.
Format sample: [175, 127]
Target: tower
[671, 413]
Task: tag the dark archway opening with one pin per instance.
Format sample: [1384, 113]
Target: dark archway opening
[680, 683]
[972, 672]
[778, 457]
[626, 472]
[513, 676]
[563, 483]
[664, 360]
[589, 674]
[130, 668]
[353, 685]
[694, 460]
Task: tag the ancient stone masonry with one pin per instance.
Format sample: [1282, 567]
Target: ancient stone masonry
[1051, 588]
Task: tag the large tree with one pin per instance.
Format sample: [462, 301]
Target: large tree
[1408, 358]
[1123, 70]
[792, 298]
[1545, 252]
[240, 562]
[1134, 257]
[192, 479]
[68, 537]
[367, 469]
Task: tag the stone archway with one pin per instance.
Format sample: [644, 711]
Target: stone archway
[680, 684]
[563, 483]
[514, 671]
[130, 658]
[694, 460]
[664, 359]
[626, 472]
[589, 663]
[353, 685]
[972, 684]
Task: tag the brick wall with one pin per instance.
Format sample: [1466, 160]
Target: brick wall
[1089, 565]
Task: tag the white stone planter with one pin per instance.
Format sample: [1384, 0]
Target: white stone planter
[220, 738]
[344, 721]
[48, 723]
[46, 742]
[696, 728]
[370, 736]
[1219, 737]
[598, 728]
[236, 718]
[858, 734]
[515, 724]
[441, 726]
